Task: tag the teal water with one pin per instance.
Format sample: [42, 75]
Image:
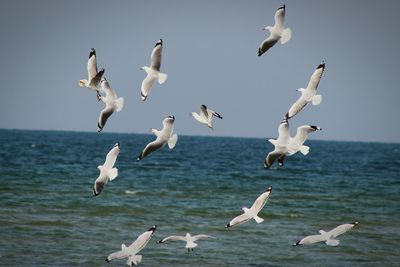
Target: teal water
[48, 216]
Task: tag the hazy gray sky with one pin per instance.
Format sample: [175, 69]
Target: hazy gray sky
[210, 55]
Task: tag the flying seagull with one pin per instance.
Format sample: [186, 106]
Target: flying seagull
[205, 116]
[286, 145]
[113, 103]
[252, 213]
[107, 172]
[153, 72]
[308, 94]
[190, 240]
[164, 136]
[277, 32]
[328, 237]
[94, 76]
[132, 251]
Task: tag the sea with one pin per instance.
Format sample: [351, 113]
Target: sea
[48, 216]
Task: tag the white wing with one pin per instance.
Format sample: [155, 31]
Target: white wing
[205, 113]
[111, 157]
[316, 78]
[311, 239]
[173, 238]
[197, 237]
[261, 201]
[341, 229]
[280, 17]
[147, 83]
[92, 65]
[156, 56]
[168, 125]
[302, 134]
[239, 220]
[141, 241]
[284, 133]
[297, 106]
[106, 88]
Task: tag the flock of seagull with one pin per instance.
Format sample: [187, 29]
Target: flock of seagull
[284, 145]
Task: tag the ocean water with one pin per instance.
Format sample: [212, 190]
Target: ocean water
[48, 216]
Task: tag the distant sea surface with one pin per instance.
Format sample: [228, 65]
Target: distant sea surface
[48, 216]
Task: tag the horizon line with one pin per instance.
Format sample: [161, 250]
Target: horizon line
[194, 135]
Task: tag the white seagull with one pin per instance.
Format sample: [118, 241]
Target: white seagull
[205, 116]
[113, 103]
[164, 136]
[94, 76]
[308, 94]
[328, 237]
[107, 172]
[252, 213]
[286, 145]
[190, 240]
[132, 251]
[277, 32]
[153, 72]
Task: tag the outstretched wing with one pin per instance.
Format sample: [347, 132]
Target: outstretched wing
[311, 239]
[172, 238]
[104, 115]
[341, 229]
[141, 241]
[156, 56]
[197, 237]
[261, 201]
[151, 147]
[280, 17]
[147, 83]
[316, 78]
[267, 44]
[239, 220]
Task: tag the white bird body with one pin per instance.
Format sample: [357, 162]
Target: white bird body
[308, 94]
[153, 72]
[113, 103]
[327, 237]
[107, 172]
[277, 32]
[190, 240]
[165, 136]
[94, 76]
[205, 116]
[286, 145]
[131, 251]
[252, 213]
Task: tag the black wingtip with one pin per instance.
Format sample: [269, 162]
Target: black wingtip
[269, 189]
[259, 52]
[266, 166]
[297, 243]
[321, 66]
[204, 106]
[92, 52]
[153, 228]
[140, 157]
[95, 194]
[159, 241]
[356, 223]
[159, 42]
[282, 7]
[107, 260]
[227, 226]
[99, 128]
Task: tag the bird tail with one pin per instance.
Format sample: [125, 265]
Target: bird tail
[316, 100]
[113, 173]
[191, 245]
[162, 77]
[134, 260]
[304, 150]
[119, 103]
[172, 141]
[286, 35]
[332, 242]
[258, 219]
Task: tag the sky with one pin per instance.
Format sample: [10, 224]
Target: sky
[210, 56]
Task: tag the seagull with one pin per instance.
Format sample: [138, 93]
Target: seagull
[277, 32]
[131, 251]
[328, 237]
[153, 72]
[252, 213]
[308, 94]
[107, 172]
[94, 76]
[190, 240]
[113, 103]
[163, 136]
[286, 145]
[205, 116]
